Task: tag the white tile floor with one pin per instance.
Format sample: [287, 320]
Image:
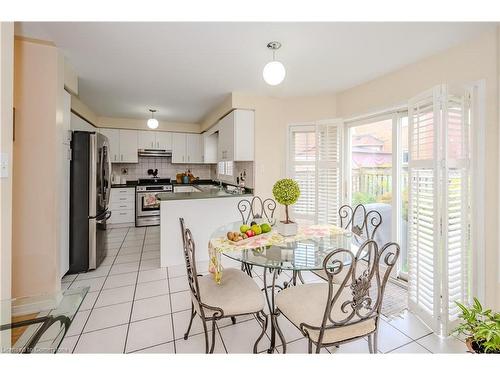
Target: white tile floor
[135, 306]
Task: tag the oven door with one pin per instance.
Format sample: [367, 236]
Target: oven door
[147, 204]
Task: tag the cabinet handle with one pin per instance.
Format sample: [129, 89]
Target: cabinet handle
[158, 144]
[123, 199]
[188, 158]
[115, 157]
[182, 157]
[123, 206]
[121, 157]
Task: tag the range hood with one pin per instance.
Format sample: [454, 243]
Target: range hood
[154, 153]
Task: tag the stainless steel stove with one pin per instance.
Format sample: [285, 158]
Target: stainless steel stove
[147, 212]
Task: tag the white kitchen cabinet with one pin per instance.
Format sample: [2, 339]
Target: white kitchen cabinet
[113, 136]
[210, 142]
[122, 206]
[236, 136]
[164, 141]
[146, 140]
[154, 140]
[187, 148]
[178, 148]
[194, 148]
[128, 146]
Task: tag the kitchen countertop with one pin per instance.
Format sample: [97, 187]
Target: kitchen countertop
[207, 194]
[129, 184]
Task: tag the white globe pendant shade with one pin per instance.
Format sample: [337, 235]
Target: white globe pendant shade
[274, 73]
[152, 123]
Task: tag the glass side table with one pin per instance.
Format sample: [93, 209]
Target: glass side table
[38, 324]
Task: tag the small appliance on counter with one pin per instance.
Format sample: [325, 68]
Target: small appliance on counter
[185, 178]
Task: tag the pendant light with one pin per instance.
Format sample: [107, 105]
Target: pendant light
[152, 122]
[274, 72]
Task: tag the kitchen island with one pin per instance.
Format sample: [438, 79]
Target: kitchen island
[203, 212]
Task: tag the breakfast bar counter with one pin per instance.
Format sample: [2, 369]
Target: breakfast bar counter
[203, 213]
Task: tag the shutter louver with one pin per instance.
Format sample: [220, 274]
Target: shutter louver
[315, 163]
[456, 257]
[329, 172]
[423, 226]
[439, 206]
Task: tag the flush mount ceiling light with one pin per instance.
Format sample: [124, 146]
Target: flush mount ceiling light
[274, 72]
[152, 122]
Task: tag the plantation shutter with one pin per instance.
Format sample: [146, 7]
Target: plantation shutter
[456, 203]
[439, 206]
[423, 225]
[329, 168]
[315, 163]
[302, 165]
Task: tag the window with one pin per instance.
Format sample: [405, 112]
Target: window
[225, 169]
[314, 161]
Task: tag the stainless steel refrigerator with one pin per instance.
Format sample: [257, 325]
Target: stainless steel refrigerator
[90, 188]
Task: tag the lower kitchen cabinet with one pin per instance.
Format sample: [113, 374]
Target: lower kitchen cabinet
[122, 206]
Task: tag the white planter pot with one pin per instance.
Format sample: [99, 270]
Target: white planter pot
[284, 229]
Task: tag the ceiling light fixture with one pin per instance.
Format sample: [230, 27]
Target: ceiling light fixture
[152, 122]
[274, 72]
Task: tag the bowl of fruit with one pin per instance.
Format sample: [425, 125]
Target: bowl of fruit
[248, 231]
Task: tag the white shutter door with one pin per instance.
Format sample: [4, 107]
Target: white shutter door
[423, 223]
[329, 171]
[302, 168]
[456, 203]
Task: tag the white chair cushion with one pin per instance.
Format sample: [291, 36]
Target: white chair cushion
[236, 294]
[306, 304]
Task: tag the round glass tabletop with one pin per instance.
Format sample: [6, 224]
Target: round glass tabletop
[293, 254]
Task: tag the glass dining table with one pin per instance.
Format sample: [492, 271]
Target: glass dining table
[293, 255]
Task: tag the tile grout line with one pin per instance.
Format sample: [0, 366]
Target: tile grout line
[99, 294]
[135, 289]
[171, 309]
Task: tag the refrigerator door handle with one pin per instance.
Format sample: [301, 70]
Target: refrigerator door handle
[106, 217]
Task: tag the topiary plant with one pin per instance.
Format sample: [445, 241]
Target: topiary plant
[286, 192]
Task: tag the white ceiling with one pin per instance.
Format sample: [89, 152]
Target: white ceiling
[185, 69]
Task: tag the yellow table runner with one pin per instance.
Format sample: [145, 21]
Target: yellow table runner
[216, 246]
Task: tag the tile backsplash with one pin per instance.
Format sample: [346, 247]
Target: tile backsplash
[165, 169]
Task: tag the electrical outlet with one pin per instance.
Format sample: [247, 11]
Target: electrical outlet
[4, 165]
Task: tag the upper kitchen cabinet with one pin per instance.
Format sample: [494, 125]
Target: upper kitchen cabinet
[210, 142]
[236, 136]
[179, 148]
[113, 136]
[187, 148]
[128, 146]
[164, 141]
[194, 148]
[146, 140]
[152, 140]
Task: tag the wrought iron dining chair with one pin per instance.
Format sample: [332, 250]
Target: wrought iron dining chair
[330, 314]
[361, 222]
[256, 209]
[236, 295]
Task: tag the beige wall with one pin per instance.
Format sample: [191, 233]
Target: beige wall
[83, 110]
[272, 116]
[38, 90]
[469, 62]
[6, 132]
